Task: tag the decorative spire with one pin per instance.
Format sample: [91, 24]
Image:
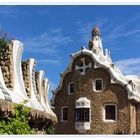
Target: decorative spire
[95, 31]
[95, 44]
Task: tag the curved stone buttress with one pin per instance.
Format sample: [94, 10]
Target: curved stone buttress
[46, 91]
[19, 94]
[40, 89]
[6, 63]
[10, 62]
[29, 81]
[6, 73]
[13, 89]
[4, 91]
[42, 92]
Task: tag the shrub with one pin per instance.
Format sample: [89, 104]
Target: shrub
[50, 130]
[18, 123]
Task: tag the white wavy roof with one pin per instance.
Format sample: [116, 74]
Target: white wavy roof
[131, 83]
[136, 80]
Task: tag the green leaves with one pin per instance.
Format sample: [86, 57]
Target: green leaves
[50, 130]
[18, 124]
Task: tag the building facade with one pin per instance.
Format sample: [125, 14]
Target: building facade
[94, 97]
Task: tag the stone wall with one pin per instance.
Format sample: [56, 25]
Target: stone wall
[6, 63]
[138, 119]
[37, 86]
[26, 77]
[112, 93]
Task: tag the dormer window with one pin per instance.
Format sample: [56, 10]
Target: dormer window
[71, 88]
[98, 85]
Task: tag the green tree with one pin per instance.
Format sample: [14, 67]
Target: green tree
[18, 123]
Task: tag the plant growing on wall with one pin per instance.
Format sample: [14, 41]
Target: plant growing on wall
[18, 123]
[3, 39]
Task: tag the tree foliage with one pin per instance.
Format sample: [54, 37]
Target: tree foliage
[18, 123]
[50, 130]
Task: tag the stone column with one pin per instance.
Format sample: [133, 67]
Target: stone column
[29, 81]
[37, 86]
[46, 93]
[46, 90]
[19, 93]
[26, 77]
[40, 88]
[39, 83]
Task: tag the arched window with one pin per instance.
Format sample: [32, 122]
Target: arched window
[71, 88]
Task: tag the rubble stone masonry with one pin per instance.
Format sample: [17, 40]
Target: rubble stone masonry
[26, 77]
[112, 93]
[6, 63]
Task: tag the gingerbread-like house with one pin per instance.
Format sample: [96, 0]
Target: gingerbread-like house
[94, 96]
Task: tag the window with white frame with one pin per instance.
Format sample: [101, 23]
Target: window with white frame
[64, 114]
[71, 88]
[110, 112]
[82, 114]
[98, 85]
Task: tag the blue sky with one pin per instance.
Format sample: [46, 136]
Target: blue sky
[51, 33]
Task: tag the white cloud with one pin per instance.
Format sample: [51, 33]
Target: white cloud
[49, 61]
[122, 29]
[47, 42]
[111, 30]
[129, 66]
[12, 11]
[86, 28]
